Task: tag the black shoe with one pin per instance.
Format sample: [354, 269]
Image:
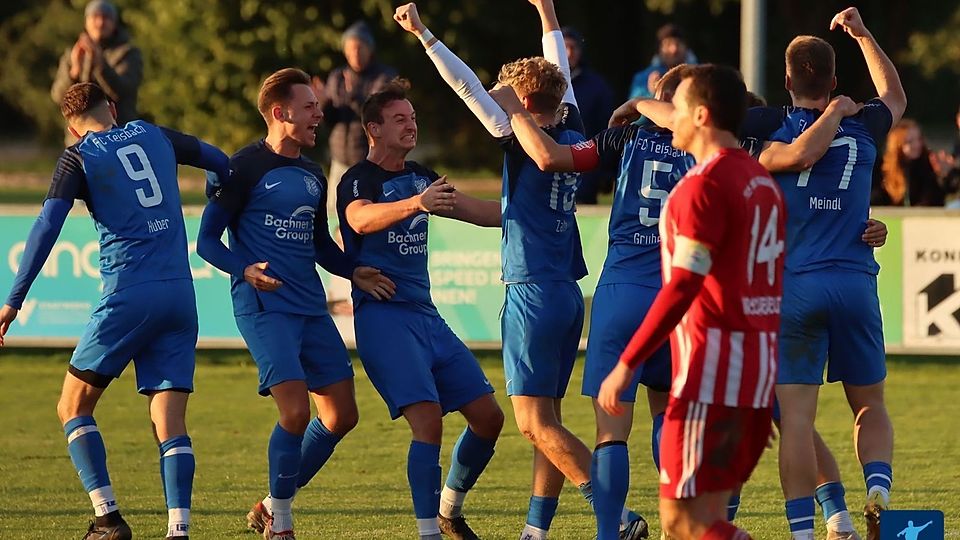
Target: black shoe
[119, 530]
[635, 529]
[456, 528]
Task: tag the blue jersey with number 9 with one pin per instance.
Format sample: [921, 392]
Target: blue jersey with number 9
[649, 168]
[828, 205]
[128, 178]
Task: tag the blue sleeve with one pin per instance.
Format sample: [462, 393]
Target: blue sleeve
[761, 122]
[611, 142]
[191, 151]
[210, 244]
[42, 236]
[571, 119]
[877, 118]
[328, 253]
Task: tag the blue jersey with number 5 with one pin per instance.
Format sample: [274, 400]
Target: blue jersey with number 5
[649, 168]
[540, 239]
[127, 176]
[828, 205]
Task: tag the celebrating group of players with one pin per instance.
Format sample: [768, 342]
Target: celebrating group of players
[756, 279]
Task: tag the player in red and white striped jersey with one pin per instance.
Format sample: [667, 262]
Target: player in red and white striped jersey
[722, 240]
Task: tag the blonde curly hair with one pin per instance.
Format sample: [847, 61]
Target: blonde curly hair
[537, 79]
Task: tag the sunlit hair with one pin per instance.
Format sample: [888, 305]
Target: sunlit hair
[536, 79]
[372, 109]
[895, 163]
[278, 87]
[811, 65]
[80, 99]
[668, 83]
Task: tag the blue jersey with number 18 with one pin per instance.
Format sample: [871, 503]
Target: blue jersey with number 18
[128, 178]
[828, 205]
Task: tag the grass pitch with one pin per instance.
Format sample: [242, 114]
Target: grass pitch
[362, 493]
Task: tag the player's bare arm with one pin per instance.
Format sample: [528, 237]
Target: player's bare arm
[548, 15]
[812, 144]
[882, 71]
[476, 211]
[659, 112]
[367, 217]
[542, 149]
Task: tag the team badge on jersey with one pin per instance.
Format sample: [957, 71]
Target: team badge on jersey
[420, 184]
[313, 187]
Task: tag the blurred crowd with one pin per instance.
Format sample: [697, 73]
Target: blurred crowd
[909, 173]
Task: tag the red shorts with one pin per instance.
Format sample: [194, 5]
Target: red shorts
[705, 448]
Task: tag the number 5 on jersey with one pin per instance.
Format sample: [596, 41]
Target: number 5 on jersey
[144, 173]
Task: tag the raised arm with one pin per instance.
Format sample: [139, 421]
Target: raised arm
[366, 217]
[542, 149]
[882, 71]
[812, 144]
[455, 73]
[479, 212]
[554, 49]
[659, 112]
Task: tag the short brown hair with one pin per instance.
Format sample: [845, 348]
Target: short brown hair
[372, 110]
[811, 65]
[80, 99]
[277, 88]
[722, 91]
[537, 79]
[668, 83]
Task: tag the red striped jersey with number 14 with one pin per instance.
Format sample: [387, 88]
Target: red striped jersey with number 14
[725, 219]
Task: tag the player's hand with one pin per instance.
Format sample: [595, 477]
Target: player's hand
[408, 19]
[876, 233]
[624, 114]
[372, 282]
[652, 81]
[7, 315]
[255, 275]
[438, 197]
[319, 88]
[507, 98]
[844, 106]
[849, 19]
[613, 387]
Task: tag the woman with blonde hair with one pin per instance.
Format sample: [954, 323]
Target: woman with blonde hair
[909, 177]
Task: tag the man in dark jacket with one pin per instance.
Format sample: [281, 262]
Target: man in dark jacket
[346, 89]
[104, 55]
[595, 100]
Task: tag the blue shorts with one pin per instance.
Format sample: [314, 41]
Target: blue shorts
[412, 357]
[831, 314]
[541, 327]
[616, 313]
[289, 347]
[154, 324]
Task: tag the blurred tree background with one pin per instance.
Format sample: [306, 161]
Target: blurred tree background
[204, 60]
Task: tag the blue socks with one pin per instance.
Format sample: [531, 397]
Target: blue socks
[177, 466]
[830, 497]
[423, 473]
[318, 445]
[541, 512]
[879, 478]
[610, 480]
[283, 454]
[800, 513]
[732, 506]
[655, 439]
[470, 457]
[89, 457]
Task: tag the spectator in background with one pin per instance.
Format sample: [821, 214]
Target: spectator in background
[104, 55]
[672, 50]
[956, 142]
[342, 97]
[909, 176]
[595, 101]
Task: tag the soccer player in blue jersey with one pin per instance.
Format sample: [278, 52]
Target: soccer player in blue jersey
[830, 306]
[648, 168]
[418, 365]
[542, 260]
[127, 176]
[273, 205]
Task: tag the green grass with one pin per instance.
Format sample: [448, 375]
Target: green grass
[362, 493]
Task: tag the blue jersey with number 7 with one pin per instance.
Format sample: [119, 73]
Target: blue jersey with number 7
[127, 176]
[828, 205]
